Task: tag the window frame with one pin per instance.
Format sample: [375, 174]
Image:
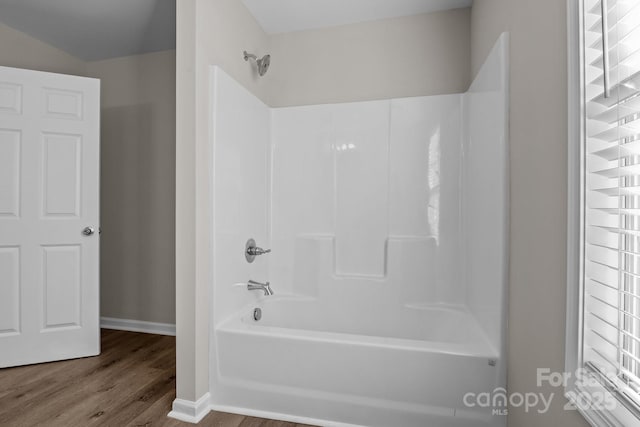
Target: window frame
[576, 391]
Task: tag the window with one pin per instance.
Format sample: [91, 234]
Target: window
[603, 324]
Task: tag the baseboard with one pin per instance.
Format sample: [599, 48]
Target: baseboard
[190, 412]
[138, 326]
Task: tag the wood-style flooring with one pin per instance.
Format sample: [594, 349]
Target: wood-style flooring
[132, 383]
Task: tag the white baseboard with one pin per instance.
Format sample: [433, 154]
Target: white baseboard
[138, 326]
[190, 412]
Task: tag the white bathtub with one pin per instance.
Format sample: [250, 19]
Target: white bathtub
[306, 361]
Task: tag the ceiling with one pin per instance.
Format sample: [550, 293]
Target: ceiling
[99, 29]
[95, 29]
[281, 16]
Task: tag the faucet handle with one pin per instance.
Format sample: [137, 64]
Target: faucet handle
[253, 282]
[257, 251]
[251, 250]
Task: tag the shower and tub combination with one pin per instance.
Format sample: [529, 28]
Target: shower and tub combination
[379, 296]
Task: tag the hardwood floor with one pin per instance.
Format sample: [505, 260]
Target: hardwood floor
[132, 383]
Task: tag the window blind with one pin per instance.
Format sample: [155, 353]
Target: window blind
[611, 193]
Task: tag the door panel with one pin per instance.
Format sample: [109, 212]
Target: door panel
[63, 104]
[9, 172]
[61, 286]
[61, 153]
[10, 98]
[49, 192]
[10, 291]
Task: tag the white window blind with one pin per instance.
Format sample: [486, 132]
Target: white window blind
[611, 194]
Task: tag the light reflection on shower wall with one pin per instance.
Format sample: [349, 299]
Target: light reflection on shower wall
[361, 182]
[426, 146]
[433, 210]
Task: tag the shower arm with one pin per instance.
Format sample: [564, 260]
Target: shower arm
[261, 63]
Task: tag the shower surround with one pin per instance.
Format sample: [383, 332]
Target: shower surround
[388, 225]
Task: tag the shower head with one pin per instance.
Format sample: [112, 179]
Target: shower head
[262, 63]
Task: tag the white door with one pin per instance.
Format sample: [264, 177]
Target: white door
[49, 193]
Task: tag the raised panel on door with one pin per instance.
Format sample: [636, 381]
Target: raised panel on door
[61, 286]
[61, 103]
[10, 98]
[10, 172]
[9, 290]
[62, 178]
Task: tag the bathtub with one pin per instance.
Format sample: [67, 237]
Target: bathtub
[312, 361]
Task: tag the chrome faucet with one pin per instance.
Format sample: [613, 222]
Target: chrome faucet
[251, 250]
[255, 251]
[257, 286]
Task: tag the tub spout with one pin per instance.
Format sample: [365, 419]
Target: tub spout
[255, 286]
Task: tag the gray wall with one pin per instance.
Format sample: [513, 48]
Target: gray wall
[538, 144]
[20, 50]
[137, 194]
[426, 54]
